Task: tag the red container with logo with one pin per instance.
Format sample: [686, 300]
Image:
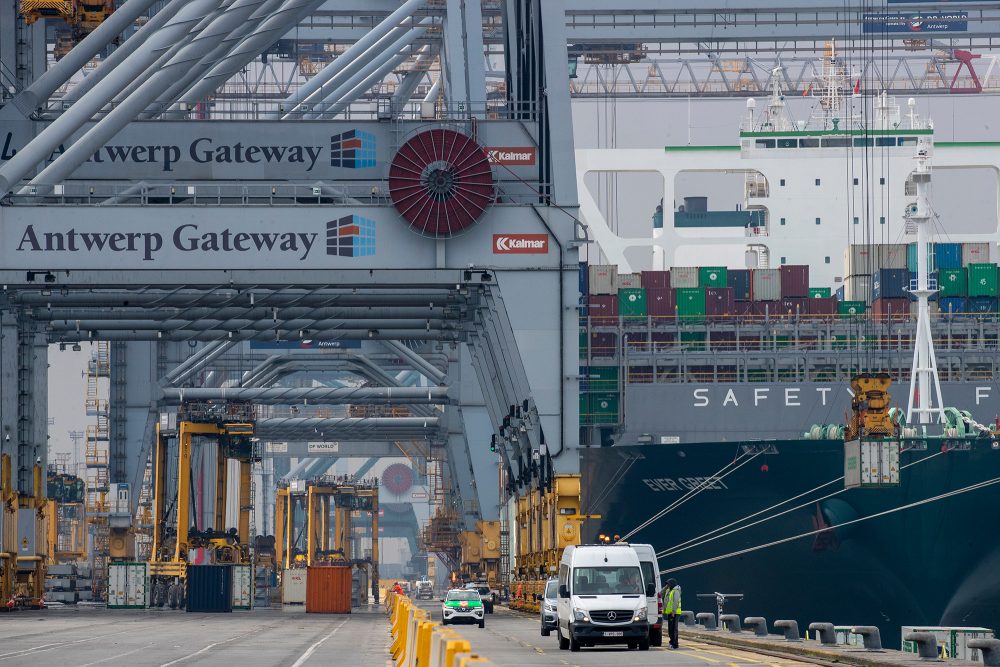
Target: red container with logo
[661, 304]
[794, 281]
[823, 308]
[655, 279]
[891, 310]
[720, 302]
[603, 310]
[792, 307]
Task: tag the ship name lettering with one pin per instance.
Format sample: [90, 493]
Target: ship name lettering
[730, 396]
[792, 394]
[982, 392]
[759, 395]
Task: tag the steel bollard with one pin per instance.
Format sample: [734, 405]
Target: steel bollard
[790, 628]
[758, 624]
[824, 632]
[870, 635]
[688, 618]
[731, 621]
[709, 621]
[926, 642]
[990, 648]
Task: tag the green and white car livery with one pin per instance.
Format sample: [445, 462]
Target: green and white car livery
[462, 606]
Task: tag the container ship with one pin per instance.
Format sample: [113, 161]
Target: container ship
[688, 369]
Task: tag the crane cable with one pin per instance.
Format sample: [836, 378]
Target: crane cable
[684, 546]
[698, 488]
[925, 501]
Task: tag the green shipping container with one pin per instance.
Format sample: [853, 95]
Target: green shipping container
[632, 302]
[953, 282]
[600, 378]
[693, 340]
[850, 308]
[583, 345]
[690, 303]
[982, 279]
[713, 276]
[604, 408]
[819, 292]
[911, 257]
[585, 417]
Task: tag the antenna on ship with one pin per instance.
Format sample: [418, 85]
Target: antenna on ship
[925, 386]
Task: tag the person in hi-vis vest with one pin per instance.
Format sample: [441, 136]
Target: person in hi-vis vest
[672, 609]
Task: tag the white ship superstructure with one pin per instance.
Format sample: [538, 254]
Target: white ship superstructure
[812, 187]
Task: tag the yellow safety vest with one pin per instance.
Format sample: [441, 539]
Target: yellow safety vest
[673, 603]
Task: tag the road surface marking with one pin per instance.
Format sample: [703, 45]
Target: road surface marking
[731, 656]
[706, 659]
[50, 647]
[120, 655]
[210, 647]
[312, 649]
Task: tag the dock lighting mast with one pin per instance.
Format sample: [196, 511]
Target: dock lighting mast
[925, 386]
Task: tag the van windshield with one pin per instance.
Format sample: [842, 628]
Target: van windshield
[607, 581]
[550, 589]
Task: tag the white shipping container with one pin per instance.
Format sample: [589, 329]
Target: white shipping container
[858, 288]
[293, 586]
[684, 276]
[766, 284]
[603, 279]
[868, 258]
[975, 253]
[242, 586]
[128, 586]
[871, 464]
[953, 642]
[629, 280]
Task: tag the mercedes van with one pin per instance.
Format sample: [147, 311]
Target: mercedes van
[651, 573]
[602, 597]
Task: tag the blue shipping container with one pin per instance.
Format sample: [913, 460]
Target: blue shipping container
[982, 304]
[839, 293]
[953, 304]
[948, 255]
[584, 281]
[739, 280]
[890, 284]
[210, 588]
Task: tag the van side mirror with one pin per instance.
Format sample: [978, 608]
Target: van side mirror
[563, 591]
[650, 590]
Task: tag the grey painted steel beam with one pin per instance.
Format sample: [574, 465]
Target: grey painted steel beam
[34, 97]
[278, 335]
[122, 114]
[416, 361]
[346, 449]
[315, 395]
[153, 296]
[40, 148]
[260, 40]
[370, 73]
[118, 56]
[241, 324]
[344, 63]
[178, 377]
[282, 314]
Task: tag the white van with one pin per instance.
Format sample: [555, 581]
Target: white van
[602, 598]
[651, 574]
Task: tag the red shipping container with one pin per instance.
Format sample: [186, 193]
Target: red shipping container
[769, 308]
[603, 344]
[655, 279]
[663, 340]
[720, 303]
[661, 304]
[891, 310]
[328, 590]
[823, 308]
[794, 281]
[723, 340]
[792, 307]
[603, 310]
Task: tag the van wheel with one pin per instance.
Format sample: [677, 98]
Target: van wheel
[546, 632]
[644, 644]
[563, 642]
[656, 637]
[482, 623]
[574, 645]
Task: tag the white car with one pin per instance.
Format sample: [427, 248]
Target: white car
[463, 605]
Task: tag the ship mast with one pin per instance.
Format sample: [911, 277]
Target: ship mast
[925, 386]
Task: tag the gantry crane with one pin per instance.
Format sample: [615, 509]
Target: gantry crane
[8, 534]
[231, 427]
[330, 506]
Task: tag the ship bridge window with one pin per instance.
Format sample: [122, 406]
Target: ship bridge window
[907, 141]
[885, 141]
[764, 143]
[864, 141]
[827, 259]
[808, 143]
[787, 143]
[836, 142]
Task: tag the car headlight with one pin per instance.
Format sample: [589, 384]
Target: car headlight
[581, 615]
[550, 607]
[640, 614]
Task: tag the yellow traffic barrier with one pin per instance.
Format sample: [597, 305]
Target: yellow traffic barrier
[441, 639]
[454, 648]
[410, 652]
[423, 644]
[469, 660]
